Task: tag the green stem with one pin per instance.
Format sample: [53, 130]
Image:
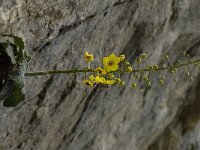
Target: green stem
[43, 73]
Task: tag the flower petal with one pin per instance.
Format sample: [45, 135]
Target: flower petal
[114, 67]
[112, 56]
[110, 82]
[117, 60]
[105, 60]
[108, 68]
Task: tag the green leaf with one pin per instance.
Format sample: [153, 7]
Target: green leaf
[15, 98]
[14, 93]
[19, 42]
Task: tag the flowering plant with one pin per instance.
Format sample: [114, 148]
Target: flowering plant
[13, 64]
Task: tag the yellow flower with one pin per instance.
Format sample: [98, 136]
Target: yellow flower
[99, 79]
[102, 80]
[91, 78]
[129, 69]
[111, 62]
[100, 70]
[88, 83]
[110, 82]
[88, 57]
[122, 57]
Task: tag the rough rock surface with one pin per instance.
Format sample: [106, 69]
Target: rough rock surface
[61, 113]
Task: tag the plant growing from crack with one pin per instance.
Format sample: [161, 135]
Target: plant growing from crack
[112, 66]
[14, 62]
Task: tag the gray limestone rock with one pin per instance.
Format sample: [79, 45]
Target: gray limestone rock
[61, 113]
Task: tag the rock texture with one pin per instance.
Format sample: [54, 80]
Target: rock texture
[61, 113]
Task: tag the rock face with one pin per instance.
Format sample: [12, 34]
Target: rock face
[61, 113]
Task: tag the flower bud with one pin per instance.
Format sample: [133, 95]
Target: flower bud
[144, 56]
[155, 67]
[127, 63]
[117, 80]
[137, 76]
[188, 74]
[122, 83]
[129, 69]
[134, 85]
[149, 84]
[139, 60]
[145, 77]
[122, 57]
[163, 77]
[161, 81]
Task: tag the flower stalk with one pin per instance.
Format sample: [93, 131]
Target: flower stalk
[112, 68]
[69, 71]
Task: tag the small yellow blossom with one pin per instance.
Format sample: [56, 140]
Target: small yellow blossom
[99, 79]
[91, 77]
[88, 83]
[111, 62]
[88, 57]
[129, 69]
[122, 57]
[102, 80]
[100, 70]
[110, 82]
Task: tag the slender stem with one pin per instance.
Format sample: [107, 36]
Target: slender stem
[43, 73]
[166, 68]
